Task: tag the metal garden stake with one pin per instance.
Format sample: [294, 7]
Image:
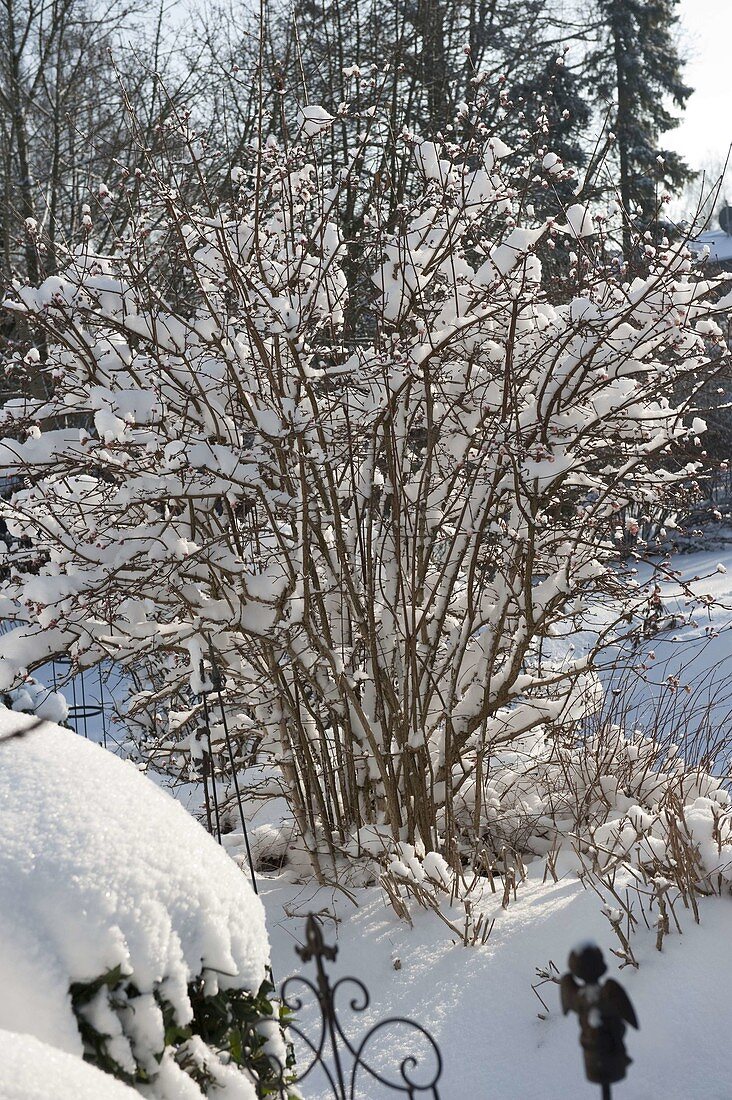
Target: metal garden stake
[337, 1053]
[603, 1010]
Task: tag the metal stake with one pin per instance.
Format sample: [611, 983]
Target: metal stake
[217, 683]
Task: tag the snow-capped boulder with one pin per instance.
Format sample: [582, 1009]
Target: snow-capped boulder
[119, 914]
[32, 1070]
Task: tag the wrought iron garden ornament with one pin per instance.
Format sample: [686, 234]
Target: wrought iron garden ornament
[340, 1059]
[603, 1010]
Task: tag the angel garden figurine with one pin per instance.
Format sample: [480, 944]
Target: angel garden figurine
[603, 1010]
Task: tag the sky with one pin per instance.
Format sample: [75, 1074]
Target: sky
[705, 133]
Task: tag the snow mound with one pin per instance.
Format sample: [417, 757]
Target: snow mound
[32, 1070]
[105, 873]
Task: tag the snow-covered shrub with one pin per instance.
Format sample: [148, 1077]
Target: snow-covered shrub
[370, 517]
[545, 789]
[32, 697]
[611, 807]
[32, 1070]
[425, 878]
[667, 821]
[129, 936]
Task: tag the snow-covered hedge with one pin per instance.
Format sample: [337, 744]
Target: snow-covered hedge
[129, 936]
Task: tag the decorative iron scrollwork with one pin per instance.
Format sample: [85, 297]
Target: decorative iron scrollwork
[342, 1061]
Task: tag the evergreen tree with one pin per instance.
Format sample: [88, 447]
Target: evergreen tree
[553, 103]
[633, 73]
[555, 97]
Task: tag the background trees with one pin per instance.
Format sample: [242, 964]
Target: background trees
[68, 109]
[433, 49]
[59, 104]
[85, 90]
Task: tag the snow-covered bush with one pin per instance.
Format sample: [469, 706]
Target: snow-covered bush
[609, 805]
[32, 1070]
[32, 697]
[370, 517]
[129, 936]
[544, 790]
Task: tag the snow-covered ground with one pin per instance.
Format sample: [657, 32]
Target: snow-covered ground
[479, 1004]
[680, 680]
